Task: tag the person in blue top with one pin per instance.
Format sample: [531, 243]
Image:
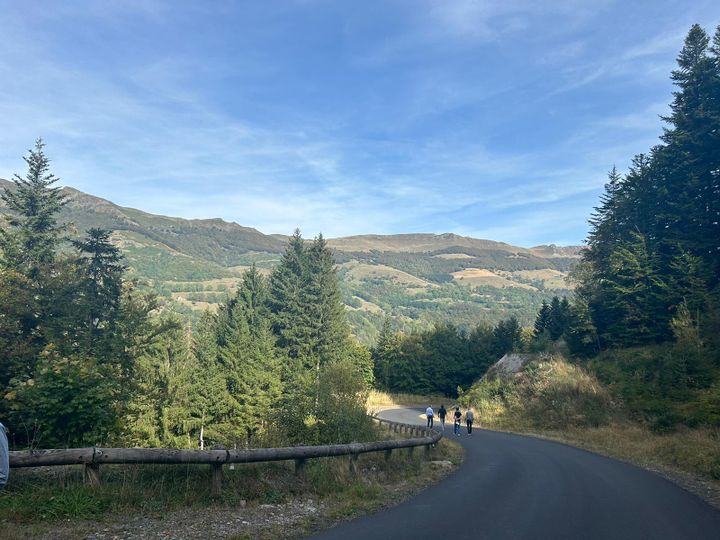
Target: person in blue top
[456, 425]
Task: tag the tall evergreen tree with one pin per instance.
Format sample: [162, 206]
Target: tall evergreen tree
[542, 321]
[248, 360]
[100, 290]
[385, 352]
[286, 301]
[30, 242]
[507, 336]
[325, 309]
[558, 318]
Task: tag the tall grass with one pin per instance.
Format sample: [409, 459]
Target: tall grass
[379, 400]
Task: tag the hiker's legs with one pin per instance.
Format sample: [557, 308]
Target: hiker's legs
[469, 426]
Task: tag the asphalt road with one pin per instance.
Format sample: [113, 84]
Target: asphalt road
[513, 487]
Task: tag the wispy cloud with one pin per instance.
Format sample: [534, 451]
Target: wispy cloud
[380, 118]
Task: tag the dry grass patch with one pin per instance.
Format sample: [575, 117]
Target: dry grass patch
[378, 401]
[481, 276]
[363, 271]
[551, 279]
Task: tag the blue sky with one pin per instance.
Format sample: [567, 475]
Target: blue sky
[497, 120]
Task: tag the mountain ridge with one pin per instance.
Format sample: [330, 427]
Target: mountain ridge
[417, 279]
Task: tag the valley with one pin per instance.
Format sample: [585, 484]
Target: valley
[417, 279]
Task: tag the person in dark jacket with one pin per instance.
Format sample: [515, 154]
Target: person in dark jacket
[442, 413]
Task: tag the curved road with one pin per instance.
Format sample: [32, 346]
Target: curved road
[513, 487]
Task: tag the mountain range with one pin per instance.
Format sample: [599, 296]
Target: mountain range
[417, 279]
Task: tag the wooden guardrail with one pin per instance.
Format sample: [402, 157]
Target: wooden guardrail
[92, 458]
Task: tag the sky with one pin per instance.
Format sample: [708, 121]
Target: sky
[491, 119]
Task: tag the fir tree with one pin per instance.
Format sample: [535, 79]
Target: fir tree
[247, 355]
[542, 321]
[30, 242]
[100, 289]
[385, 352]
[558, 318]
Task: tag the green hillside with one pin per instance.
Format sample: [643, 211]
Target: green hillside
[417, 279]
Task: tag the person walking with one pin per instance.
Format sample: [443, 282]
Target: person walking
[442, 413]
[4, 458]
[456, 425]
[430, 415]
[469, 417]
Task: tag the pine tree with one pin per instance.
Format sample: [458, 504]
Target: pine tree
[581, 334]
[28, 248]
[542, 321]
[507, 336]
[248, 361]
[558, 318]
[385, 353]
[160, 408]
[30, 242]
[637, 291]
[213, 404]
[100, 289]
[286, 302]
[691, 157]
[325, 309]
[670, 199]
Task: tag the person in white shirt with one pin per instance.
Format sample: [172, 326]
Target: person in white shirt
[430, 416]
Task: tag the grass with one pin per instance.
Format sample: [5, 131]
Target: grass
[55, 499]
[378, 401]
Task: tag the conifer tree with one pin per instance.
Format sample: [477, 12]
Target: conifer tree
[542, 321]
[28, 248]
[558, 319]
[99, 290]
[290, 322]
[34, 233]
[213, 404]
[325, 309]
[507, 336]
[248, 361]
[385, 353]
[160, 409]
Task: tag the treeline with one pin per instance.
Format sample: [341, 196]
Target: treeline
[653, 257]
[443, 359]
[86, 358]
[649, 279]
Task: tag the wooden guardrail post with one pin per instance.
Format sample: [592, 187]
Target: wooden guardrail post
[217, 479]
[299, 467]
[91, 474]
[410, 451]
[388, 454]
[353, 463]
[427, 451]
